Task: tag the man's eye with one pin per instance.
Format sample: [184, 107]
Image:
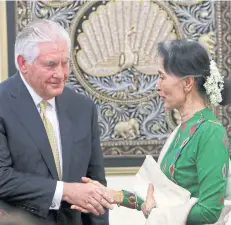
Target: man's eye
[50, 64]
[65, 63]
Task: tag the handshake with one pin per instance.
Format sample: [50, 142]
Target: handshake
[89, 196]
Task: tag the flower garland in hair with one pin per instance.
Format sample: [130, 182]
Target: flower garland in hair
[214, 84]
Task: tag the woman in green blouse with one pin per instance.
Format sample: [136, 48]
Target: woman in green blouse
[198, 157]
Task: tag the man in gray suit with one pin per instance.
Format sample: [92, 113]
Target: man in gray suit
[49, 136]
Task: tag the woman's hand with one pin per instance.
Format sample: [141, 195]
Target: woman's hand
[149, 204]
[110, 192]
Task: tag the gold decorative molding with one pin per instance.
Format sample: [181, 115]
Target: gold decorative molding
[3, 42]
[121, 170]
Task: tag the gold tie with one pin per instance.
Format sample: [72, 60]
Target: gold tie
[51, 136]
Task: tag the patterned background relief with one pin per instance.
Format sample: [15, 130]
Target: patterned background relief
[114, 60]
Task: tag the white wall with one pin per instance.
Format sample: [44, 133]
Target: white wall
[122, 215]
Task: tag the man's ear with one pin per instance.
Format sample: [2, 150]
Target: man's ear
[22, 64]
[188, 84]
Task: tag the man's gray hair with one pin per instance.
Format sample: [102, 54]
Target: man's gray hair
[38, 31]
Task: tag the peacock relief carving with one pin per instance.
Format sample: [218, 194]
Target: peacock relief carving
[121, 35]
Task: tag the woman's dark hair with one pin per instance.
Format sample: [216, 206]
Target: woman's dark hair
[185, 57]
[226, 93]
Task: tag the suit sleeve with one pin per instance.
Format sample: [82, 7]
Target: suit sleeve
[96, 170]
[32, 193]
[212, 167]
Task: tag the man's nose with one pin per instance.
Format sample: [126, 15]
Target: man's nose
[59, 73]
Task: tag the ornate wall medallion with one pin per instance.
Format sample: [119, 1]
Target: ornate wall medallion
[115, 48]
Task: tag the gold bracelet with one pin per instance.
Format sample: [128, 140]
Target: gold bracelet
[119, 196]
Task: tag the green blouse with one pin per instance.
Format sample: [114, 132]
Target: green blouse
[202, 166]
[198, 160]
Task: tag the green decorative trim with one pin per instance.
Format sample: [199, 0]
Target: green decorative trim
[131, 200]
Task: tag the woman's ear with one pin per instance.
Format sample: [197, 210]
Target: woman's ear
[188, 84]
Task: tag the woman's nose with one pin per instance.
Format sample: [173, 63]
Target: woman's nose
[158, 85]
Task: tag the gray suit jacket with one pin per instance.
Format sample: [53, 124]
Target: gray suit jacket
[27, 169]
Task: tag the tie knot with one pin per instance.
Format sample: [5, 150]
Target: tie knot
[43, 106]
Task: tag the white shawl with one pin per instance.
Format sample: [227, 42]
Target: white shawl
[173, 203]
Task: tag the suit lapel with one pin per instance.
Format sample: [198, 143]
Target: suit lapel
[65, 128]
[24, 107]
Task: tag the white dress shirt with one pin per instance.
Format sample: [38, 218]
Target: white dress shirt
[51, 115]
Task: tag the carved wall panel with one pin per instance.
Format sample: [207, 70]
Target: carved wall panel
[114, 60]
[224, 24]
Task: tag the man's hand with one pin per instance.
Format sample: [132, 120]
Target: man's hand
[87, 197]
[110, 192]
[149, 204]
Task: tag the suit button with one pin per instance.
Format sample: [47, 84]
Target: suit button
[53, 205]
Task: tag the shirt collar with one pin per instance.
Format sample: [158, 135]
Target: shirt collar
[36, 98]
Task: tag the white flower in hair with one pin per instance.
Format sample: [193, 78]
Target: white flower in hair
[214, 84]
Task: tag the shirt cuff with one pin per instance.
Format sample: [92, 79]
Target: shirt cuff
[57, 196]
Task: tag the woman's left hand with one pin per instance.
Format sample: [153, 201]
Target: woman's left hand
[149, 204]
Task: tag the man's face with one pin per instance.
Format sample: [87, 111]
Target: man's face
[47, 75]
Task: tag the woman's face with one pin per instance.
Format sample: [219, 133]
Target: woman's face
[171, 89]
